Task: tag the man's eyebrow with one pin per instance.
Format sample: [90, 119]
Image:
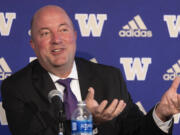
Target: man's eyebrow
[60, 25]
[63, 24]
[43, 28]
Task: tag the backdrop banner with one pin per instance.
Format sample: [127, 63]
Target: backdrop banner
[139, 37]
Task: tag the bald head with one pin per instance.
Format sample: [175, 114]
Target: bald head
[48, 11]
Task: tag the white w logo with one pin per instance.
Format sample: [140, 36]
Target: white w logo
[5, 27]
[173, 25]
[135, 68]
[88, 25]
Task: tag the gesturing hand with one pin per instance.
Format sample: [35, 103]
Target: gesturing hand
[100, 112]
[170, 102]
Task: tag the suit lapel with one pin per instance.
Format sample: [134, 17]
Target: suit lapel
[44, 84]
[42, 81]
[84, 76]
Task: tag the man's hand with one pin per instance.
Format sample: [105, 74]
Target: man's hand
[100, 112]
[170, 102]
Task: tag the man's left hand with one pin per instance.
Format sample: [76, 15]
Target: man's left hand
[170, 102]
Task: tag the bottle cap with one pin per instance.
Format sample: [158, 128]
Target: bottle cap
[81, 103]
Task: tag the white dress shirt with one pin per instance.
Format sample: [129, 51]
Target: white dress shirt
[74, 83]
[164, 126]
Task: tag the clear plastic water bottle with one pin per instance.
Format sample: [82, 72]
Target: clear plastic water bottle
[81, 120]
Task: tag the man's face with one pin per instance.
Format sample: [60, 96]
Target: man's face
[53, 38]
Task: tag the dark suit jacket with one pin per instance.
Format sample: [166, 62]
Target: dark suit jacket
[28, 111]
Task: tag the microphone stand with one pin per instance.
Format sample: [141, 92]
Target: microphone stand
[55, 98]
[61, 123]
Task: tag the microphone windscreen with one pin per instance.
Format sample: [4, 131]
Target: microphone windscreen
[54, 93]
[55, 97]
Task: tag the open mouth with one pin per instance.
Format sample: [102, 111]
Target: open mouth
[58, 51]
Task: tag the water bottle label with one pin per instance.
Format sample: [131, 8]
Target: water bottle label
[81, 126]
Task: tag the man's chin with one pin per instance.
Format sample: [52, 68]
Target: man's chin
[59, 64]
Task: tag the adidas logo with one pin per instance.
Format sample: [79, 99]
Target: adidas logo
[172, 72]
[5, 71]
[135, 28]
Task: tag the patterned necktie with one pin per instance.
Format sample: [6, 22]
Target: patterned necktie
[70, 101]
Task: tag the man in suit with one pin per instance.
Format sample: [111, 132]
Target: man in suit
[25, 94]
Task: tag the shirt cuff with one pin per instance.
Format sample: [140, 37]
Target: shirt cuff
[164, 126]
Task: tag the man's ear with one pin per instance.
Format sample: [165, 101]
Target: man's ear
[75, 33]
[32, 43]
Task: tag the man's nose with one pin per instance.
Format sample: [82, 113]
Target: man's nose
[56, 38]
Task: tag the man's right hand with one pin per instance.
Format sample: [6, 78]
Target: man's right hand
[100, 112]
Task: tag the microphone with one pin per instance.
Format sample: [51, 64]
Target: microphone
[55, 97]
